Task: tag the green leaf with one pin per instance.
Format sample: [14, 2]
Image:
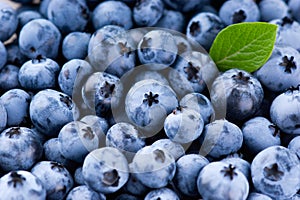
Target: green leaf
[245, 46]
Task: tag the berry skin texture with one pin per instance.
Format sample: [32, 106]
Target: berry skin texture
[185, 5]
[112, 13]
[188, 168]
[147, 12]
[21, 185]
[68, 15]
[56, 179]
[157, 47]
[38, 74]
[258, 196]
[275, 172]
[3, 55]
[284, 111]
[9, 77]
[203, 28]
[236, 93]
[175, 149]
[16, 103]
[221, 138]
[237, 11]
[172, 20]
[273, 9]
[19, 149]
[163, 194]
[221, 181]
[83, 192]
[285, 69]
[105, 170]
[294, 6]
[8, 21]
[154, 167]
[3, 116]
[258, 134]
[39, 37]
[50, 110]
[183, 125]
[75, 45]
[294, 145]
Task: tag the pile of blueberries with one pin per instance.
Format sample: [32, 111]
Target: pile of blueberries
[120, 100]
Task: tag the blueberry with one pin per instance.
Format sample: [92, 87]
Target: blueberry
[52, 152]
[162, 194]
[221, 138]
[3, 116]
[9, 77]
[173, 148]
[147, 12]
[258, 134]
[84, 193]
[199, 103]
[75, 45]
[14, 55]
[19, 149]
[16, 103]
[99, 125]
[78, 176]
[173, 20]
[285, 65]
[76, 140]
[38, 74]
[127, 197]
[73, 73]
[275, 172]
[284, 111]
[185, 5]
[154, 167]
[101, 92]
[188, 168]
[8, 21]
[158, 47]
[183, 125]
[26, 16]
[193, 71]
[105, 170]
[44, 7]
[294, 145]
[203, 28]
[111, 49]
[50, 110]
[294, 6]
[112, 13]
[39, 37]
[237, 11]
[220, 181]
[240, 164]
[56, 179]
[125, 137]
[21, 185]
[148, 103]
[68, 15]
[3, 55]
[237, 91]
[257, 196]
[273, 9]
[287, 32]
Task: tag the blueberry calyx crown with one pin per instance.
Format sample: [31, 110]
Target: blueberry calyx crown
[276, 130]
[84, 12]
[159, 155]
[273, 173]
[195, 28]
[178, 108]
[146, 43]
[66, 100]
[191, 71]
[16, 179]
[124, 49]
[107, 89]
[241, 78]
[88, 133]
[293, 88]
[38, 59]
[229, 171]
[57, 166]
[13, 132]
[150, 99]
[288, 63]
[111, 178]
[239, 16]
[286, 20]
